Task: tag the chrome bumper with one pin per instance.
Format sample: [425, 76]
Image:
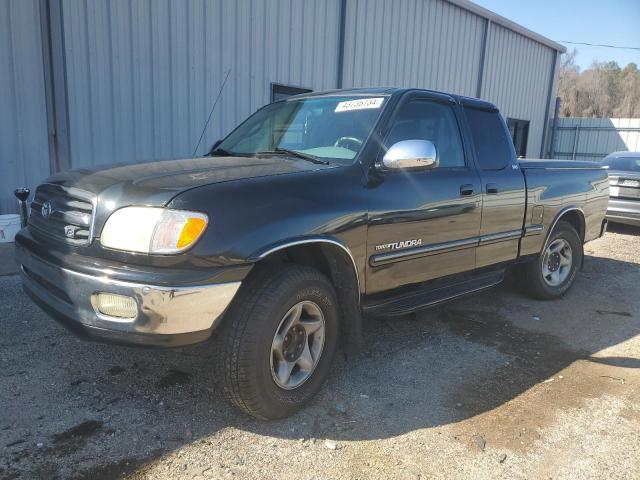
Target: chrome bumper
[70, 297]
[624, 211]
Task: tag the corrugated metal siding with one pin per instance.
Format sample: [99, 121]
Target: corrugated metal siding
[597, 137]
[24, 149]
[516, 78]
[142, 76]
[546, 150]
[412, 43]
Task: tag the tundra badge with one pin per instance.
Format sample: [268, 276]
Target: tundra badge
[398, 245]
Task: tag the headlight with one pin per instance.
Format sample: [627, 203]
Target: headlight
[153, 230]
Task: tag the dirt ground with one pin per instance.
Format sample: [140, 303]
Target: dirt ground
[493, 386]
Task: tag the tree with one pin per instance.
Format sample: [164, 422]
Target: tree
[603, 90]
[568, 78]
[630, 84]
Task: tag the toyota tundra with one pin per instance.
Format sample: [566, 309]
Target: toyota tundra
[316, 213]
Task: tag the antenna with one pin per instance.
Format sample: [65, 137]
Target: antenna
[211, 112]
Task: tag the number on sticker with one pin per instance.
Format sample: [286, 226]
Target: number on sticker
[360, 104]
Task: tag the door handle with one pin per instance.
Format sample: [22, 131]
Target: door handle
[466, 190]
[492, 189]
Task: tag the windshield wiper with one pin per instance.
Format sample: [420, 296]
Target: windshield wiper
[222, 152]
[293, 153]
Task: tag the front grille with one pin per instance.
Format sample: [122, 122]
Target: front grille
[63, 213]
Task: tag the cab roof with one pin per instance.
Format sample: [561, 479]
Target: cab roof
[470, 101]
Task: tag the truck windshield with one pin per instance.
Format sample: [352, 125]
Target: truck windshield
[332, 129]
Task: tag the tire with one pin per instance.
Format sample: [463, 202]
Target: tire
[248, 363]
[545, 278]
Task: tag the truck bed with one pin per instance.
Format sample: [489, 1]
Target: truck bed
[554, 186]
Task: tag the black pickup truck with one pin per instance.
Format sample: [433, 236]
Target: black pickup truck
[314, 213]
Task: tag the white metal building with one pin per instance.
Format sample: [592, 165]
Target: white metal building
[89, 82]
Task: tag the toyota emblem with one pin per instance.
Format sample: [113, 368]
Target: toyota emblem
[46, 209]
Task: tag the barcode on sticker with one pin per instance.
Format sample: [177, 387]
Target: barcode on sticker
[360, 104]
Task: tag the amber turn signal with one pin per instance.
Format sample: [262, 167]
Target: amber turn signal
[191, 231]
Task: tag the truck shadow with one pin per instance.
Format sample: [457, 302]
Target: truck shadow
[623, 229]
[444, 366]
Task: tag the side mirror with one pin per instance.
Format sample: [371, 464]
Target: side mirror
[411, 155]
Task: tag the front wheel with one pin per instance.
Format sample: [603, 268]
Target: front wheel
[278, 340]
[551, 274]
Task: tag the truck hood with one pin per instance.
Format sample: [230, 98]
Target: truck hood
[156, 183]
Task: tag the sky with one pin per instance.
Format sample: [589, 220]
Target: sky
[612, 22]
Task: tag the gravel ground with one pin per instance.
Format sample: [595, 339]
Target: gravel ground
[494, 386]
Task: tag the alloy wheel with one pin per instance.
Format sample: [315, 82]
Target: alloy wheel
[556, 262]
[297, 345]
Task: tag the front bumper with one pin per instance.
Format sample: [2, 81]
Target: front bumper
[167, 316]
[624, 211]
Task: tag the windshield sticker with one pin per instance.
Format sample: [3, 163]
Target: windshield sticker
[360, 104]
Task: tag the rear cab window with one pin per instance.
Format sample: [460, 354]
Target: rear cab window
[493, 147]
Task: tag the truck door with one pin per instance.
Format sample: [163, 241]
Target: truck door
[503, 186]
[423, 224]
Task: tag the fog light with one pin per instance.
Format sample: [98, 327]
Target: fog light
[116, 305]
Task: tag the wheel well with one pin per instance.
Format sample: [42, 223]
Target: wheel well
[576, 219]
[336, 264]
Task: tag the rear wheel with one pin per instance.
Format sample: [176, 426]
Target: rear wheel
[278, 340]
[551, 274]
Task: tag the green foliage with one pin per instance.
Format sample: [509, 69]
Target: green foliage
[603, 90]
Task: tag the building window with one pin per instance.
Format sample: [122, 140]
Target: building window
[519, 130]
[280, 92]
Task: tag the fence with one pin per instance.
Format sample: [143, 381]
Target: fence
[594, 138]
